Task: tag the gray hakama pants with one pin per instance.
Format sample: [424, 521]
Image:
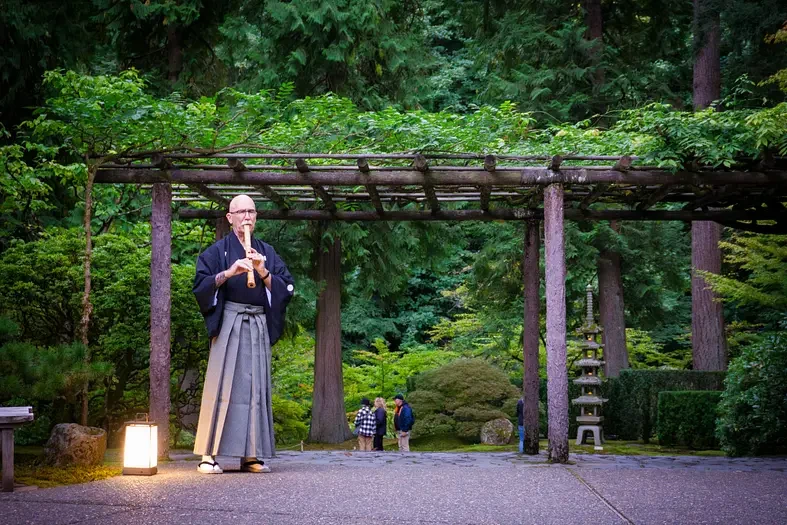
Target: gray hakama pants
[235, 416]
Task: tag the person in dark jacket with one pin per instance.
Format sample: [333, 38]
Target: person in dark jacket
[520, 418]
[403, 422]
[243, 322]
[381, 419]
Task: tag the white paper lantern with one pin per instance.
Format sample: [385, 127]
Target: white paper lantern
[140, 453]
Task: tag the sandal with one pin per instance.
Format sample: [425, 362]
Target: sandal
[207, 467]
[256, 466]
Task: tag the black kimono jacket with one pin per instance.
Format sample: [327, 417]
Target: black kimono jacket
[211, 300]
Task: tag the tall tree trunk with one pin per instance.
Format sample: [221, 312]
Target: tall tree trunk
[329, 419]
[174, 53]
[557, 375]
[707, 57]
[160, 301]
[530, 335]
[87, 305]
[611, 310]
[708, 344]
[595, 33]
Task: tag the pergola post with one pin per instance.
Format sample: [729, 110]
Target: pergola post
[557, 375]
[222, 228]
[530, 333]
[160, 299]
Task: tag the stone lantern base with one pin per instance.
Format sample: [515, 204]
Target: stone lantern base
[598, 434]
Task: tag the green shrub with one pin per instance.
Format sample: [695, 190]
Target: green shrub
[288, 420]
[753, 409]
[458, 398]
[632, 410]
[688, 418]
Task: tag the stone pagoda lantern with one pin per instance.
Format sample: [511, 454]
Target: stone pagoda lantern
[590, 402]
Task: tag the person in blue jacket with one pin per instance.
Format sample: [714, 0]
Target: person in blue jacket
[403, 422]
[236, 418]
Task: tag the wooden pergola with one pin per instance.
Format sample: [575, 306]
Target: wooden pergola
[452, 187]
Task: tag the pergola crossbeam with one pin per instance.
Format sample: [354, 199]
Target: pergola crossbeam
[711, 197]
[303, 169]
[655, 197]
[211, 195]
[502, 214]
[529, 176]
[593, 196]
[239, 166]
[420, 163]
[514, 183]
[273, 196]
[371, 189]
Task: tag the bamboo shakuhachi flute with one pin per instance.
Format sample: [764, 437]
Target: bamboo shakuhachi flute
[247, 244]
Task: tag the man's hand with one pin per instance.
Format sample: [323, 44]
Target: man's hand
[238, 267]
[257, 260]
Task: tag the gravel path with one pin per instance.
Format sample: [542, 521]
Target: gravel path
[439, 488]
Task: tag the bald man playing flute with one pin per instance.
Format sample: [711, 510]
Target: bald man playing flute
[244, 318]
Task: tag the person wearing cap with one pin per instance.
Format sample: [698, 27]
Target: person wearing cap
[403, 422]
[365, 426]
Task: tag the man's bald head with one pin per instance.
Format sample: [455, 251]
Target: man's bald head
[242, 212]
[241, 202]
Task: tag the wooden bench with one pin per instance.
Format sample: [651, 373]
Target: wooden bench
[10, 419]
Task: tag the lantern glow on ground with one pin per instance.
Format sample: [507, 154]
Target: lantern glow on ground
[140, 454]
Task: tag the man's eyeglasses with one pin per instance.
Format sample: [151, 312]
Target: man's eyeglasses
[251, 213]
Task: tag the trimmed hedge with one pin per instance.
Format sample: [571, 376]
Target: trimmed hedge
[632, 410]
[688, 418]
[574, 391]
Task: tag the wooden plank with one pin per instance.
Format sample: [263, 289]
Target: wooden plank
[420, 163]
[486, 193]
[371, 189]
[710, 197]
[535, 197]
[303, 170]
[16, 420]
[14, 410]
[273, 196]
[593, 196]
[431, 197]
[501, 214]
[655, 197]
[7, 444]
[377, 156]
[402, 177]
[210, 194]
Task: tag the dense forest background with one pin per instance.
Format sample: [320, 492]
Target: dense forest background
[414, 297]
